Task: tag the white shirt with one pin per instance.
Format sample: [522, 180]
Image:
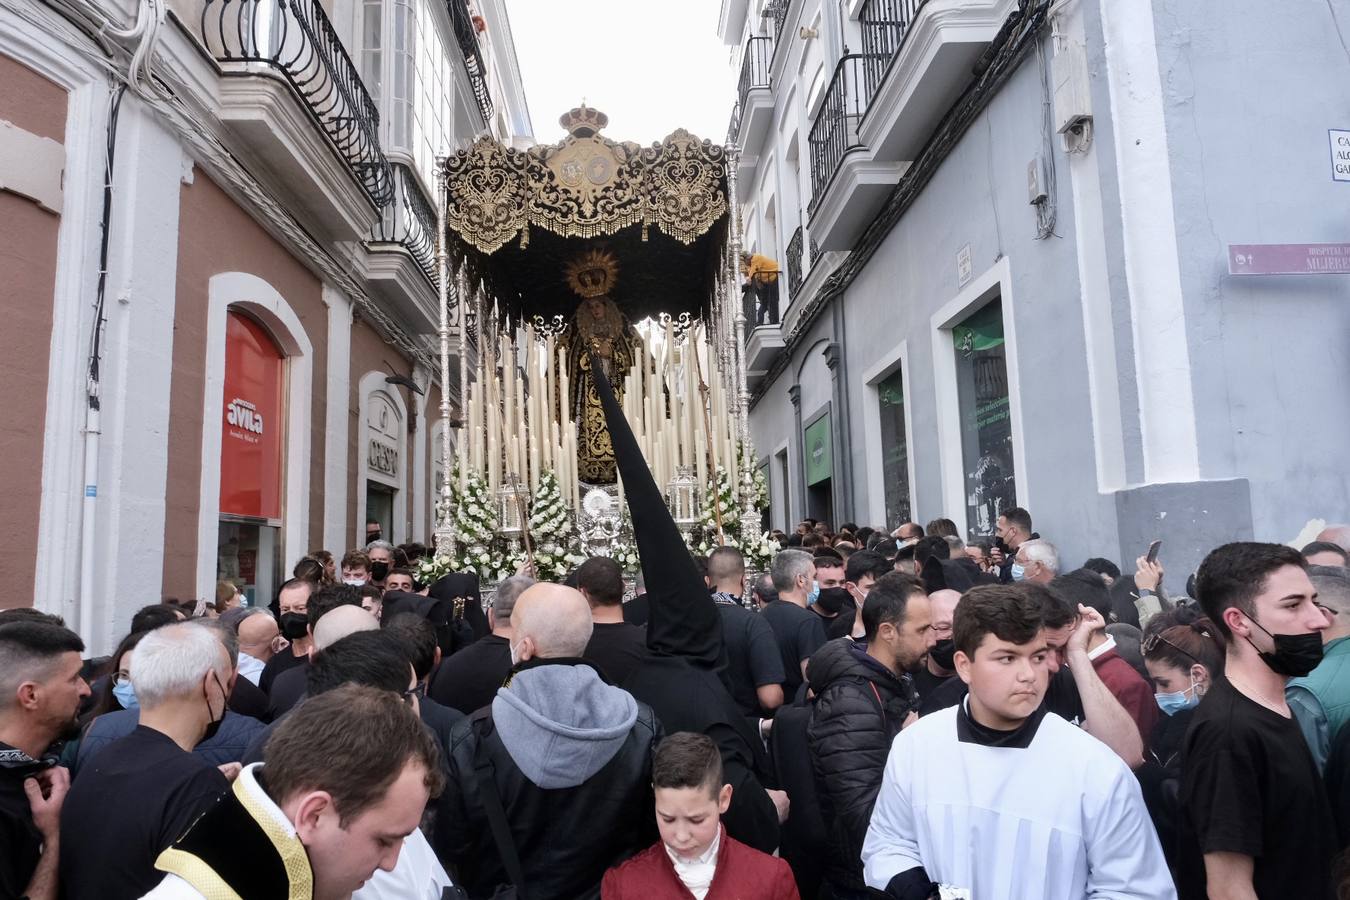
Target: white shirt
[1062, 817]
[418, 875]
[250, 667]
[1105, 646]
[697, 874]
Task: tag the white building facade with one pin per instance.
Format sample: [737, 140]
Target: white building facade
[227, 357]
[1018, 244]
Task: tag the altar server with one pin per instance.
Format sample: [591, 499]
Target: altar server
[998, 799]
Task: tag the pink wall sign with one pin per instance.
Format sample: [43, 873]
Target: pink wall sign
[1289, 259]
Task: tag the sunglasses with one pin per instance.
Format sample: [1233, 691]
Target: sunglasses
[1151, 642]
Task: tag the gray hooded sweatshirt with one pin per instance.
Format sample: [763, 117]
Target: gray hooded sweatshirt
[562, 723]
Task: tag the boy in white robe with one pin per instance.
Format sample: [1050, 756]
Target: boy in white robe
[996, 799]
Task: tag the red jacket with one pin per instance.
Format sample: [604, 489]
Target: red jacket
[1133, 692]
[743, 873]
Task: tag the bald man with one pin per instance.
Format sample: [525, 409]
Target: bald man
[570, 756]
[259, 640]
[1336, 534]
[939, 666]
[333, 626]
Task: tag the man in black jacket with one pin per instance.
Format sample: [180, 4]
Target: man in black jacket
[568, 756]
[863, 699]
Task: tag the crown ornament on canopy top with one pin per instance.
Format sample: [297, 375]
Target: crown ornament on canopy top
[593, 273]
[582, 121]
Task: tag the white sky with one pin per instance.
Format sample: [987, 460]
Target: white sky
[651, 65]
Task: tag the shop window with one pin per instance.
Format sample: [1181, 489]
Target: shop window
[986, 420]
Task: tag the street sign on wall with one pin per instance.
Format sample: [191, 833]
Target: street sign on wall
[1289, 259]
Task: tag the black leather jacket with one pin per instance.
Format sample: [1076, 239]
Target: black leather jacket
[858, 711]
[565, 838]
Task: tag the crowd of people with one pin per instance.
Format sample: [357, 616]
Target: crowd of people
[886, 712]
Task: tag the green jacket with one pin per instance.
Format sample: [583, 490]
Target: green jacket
[1321, 699]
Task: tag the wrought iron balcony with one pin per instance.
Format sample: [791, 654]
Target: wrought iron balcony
[755, 67]
[760, 300]
[777, 13]
[467, 37]
[410, 222]
[885, 24]
[835, 130]
[795, 272]
[295, 39]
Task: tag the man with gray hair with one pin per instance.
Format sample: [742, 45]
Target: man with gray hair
[1037, 561]
[241, 726]
[568, 756]
[381, 555]
[1320, 700]
[469, 679]
[138, 794]
[798, 632]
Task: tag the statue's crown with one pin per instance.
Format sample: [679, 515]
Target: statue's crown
[582, 121]
[593, 273]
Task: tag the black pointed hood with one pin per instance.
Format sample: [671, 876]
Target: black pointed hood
[684, 619]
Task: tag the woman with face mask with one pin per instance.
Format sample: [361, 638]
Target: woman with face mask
[1183, 653]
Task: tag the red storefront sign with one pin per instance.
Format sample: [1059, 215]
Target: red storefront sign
[251, 430]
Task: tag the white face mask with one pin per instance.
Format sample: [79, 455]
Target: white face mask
[514, 661]
[354, 582]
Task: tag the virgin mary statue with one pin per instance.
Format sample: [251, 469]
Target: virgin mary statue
[600, 335]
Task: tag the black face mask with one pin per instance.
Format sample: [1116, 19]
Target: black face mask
[214, 725]
[1295, 654]
[294, 625]
[831, 600]
[944, 653]
[379, 571]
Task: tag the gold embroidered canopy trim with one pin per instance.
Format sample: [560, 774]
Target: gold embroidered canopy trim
[586, 186]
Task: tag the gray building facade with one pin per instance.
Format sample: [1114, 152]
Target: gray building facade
[1021, 291]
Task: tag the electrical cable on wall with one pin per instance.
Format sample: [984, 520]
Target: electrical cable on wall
[96, 338]
[1047, 209]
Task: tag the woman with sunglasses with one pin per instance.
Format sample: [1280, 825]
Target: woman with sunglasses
[1183, 653]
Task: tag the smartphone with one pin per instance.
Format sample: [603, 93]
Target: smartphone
[1153, 551]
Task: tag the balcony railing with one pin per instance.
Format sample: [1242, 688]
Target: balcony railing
[409, 221]
[795, 272]
[777, 12]
[754, 67]
[885, 24]
[295, 38]
[467, 37]
[835, 130]
[760, 299]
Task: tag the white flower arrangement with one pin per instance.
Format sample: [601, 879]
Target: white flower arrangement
[556, 544]
[721, 498]
[432, 569]
[474, 521]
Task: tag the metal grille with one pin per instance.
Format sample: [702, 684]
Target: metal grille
[884, 23]
[795, 272]
[467, 37]
[835, 130]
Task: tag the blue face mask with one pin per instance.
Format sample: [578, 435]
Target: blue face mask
[125, 693]
[1018, 572]
[1174, 702]
[813, 594]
